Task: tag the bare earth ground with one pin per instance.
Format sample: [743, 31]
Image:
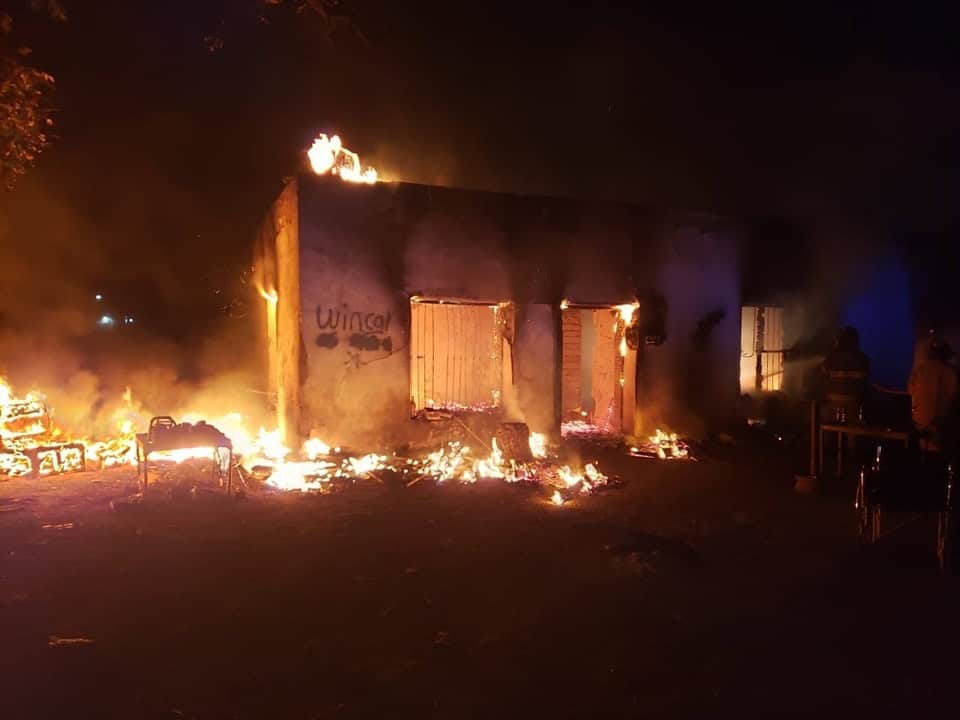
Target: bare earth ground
[698, 590]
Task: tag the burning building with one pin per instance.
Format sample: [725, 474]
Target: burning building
[384, 304]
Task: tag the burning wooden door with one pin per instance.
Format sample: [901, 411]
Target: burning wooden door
[456, 355]
[570, 363]
[605, 376]
[591, 367]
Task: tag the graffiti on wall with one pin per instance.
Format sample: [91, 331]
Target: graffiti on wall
[361, 329]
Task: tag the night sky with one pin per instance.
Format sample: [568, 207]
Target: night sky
[167, 153]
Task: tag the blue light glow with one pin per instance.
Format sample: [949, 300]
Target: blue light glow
[881, 312]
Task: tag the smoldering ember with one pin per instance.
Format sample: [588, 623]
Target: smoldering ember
[476, 361]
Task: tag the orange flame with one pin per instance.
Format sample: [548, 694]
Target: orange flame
[538, 445]
[626, 311]
[269, 295]
[30, 442]
[328, 155]
[313, 467]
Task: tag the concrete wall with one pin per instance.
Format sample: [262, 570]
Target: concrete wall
[356, 339]
[692, 380]
[537, 368]
[288, 314]
[364, 250]
[277, 299]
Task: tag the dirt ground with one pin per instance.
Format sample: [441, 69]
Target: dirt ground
[703, 589]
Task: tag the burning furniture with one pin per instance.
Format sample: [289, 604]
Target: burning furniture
[169, 441]
[27, 440]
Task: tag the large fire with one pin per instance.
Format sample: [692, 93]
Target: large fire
[328, 155]
[31, 443]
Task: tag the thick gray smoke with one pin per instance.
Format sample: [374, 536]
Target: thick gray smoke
[53, 262]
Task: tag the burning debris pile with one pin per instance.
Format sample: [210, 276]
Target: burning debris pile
[589, 432]
[223, 449]
[662, 445]
[32, 444]
[457, 462]
[321, 470]
[434, 410]
[454, 462]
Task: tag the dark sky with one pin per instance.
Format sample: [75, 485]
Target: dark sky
[167, 154]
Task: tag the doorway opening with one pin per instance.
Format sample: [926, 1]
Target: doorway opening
[593, 362]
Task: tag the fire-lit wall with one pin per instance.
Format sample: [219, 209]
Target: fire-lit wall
[364, 251]
[277, 280]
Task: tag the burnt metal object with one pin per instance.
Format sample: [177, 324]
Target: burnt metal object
[165, 435]
[652, 322]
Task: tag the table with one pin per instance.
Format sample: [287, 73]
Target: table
[858, 430]
[167, 436]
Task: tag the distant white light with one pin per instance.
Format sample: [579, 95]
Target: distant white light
[128, 320]
[98, 297]
[106, 321]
